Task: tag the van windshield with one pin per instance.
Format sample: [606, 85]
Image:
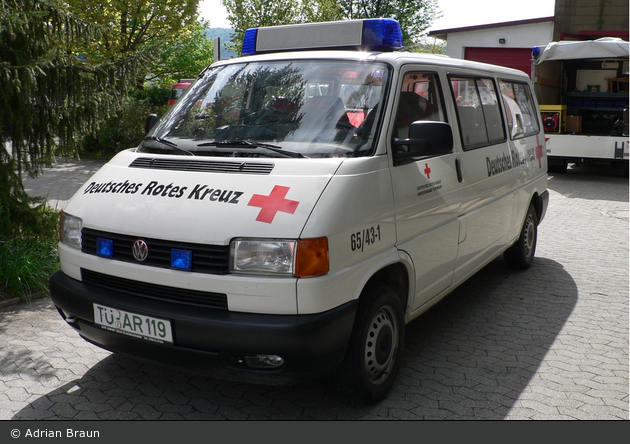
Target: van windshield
[322, 108]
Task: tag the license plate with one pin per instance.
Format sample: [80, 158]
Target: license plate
[132, 324]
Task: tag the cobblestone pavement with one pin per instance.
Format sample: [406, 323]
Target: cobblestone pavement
[547, 343]
[59, 183]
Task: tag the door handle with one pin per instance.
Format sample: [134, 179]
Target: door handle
[458, 167]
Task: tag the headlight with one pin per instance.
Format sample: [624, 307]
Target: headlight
[300, 258]
[262, 256]
[70, 230]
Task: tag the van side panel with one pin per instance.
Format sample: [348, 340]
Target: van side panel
[487, 206]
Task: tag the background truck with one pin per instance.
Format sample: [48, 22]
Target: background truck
[178, 89]
[582, 88]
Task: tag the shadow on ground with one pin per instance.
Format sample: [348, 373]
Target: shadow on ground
[469, 357]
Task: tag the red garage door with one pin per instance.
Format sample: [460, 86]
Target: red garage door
[517, 58]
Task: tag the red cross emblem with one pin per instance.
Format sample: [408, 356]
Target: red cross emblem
[427, 170]
[270, 205]
[539, 152]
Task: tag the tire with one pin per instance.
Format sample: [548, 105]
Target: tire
[521, 255]
[376, 346]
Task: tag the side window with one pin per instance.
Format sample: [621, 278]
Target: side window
[479, 112]
[419, 99]
[519, 109]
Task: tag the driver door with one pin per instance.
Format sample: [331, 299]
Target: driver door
[427, 192]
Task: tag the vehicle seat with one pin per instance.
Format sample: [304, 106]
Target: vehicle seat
[409, 110]
[322, 112]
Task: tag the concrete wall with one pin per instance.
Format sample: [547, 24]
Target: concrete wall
[518, 36]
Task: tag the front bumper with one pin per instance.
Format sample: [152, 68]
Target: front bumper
[214, 341]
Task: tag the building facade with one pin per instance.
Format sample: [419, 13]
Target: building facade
[510, 43]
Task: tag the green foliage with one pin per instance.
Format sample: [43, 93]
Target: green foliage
[414, 16]
[429, 45]
[49, 95]
[28, 262]
[135, 24]
[126, 128]
[29, 256]
[179, 49]
[245, 14]
[184, 57]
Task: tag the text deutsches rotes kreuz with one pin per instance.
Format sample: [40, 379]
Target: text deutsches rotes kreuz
[507, 161]
[165, 190]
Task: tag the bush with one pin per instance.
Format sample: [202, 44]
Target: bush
[126, 129]
[30, 257]
[30, 261]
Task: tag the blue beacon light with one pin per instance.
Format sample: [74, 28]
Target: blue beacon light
[249, 41]
[181, 259]
[105, 248]
[381, 34]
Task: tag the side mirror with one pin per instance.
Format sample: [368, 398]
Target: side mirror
[150, 123]
[425, 139]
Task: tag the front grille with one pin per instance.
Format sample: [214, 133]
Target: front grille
[205, 166]
[210, 259]
[153, 291]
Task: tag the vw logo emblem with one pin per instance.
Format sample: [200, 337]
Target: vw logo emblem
[140, 250]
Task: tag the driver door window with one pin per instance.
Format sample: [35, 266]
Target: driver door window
[419, 99]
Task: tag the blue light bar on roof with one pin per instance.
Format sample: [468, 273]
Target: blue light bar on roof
[368, 34]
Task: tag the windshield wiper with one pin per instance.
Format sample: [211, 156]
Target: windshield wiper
[250, 144]
[170, 144]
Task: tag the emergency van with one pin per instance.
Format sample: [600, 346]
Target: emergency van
[299, 205]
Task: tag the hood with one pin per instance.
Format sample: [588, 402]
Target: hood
[202, 200]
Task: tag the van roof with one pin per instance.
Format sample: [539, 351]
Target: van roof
[396, 58]
[369, 39]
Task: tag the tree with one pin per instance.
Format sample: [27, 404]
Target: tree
[50, 95]
[184, 57]
[246, 14]
[156, 26]
[136, 24]
[414, 16]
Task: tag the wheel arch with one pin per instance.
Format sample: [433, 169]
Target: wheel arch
[540, 202]
[395, 275]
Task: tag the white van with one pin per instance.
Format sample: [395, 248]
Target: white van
[299, 205]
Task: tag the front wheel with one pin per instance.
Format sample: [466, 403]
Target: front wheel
[376, 346]
[521, 255]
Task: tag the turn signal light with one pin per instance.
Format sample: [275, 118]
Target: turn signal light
[312, 257]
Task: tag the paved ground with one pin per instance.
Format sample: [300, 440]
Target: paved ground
[59, 183]
[548, 343]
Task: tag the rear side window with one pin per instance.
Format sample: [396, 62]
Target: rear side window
[479, 112]
[520, 111]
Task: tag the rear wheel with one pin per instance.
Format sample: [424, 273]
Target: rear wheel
[376, 345]
[521, 255]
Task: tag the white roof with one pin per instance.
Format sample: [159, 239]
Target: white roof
[604, 48]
